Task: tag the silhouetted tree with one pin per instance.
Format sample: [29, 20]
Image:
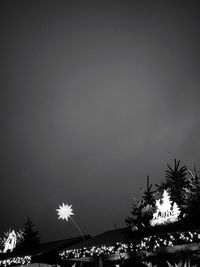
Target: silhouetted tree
[176, 181]
[193, 193]
[148, 195]
[135, 220]
[194, 183]
[31, 238]
[142, 210]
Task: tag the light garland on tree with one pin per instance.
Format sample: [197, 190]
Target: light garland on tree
[151, 243]
[11, 239]
[16, 261]
[95, 251]
[167, 240]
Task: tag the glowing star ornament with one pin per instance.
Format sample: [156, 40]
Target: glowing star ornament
[65, 211]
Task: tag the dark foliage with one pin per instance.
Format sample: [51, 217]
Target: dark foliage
[142, 210]
[31, 238]
[148, 195]
[176, 181]
[193, 207]
[135, 220]
[183, 186]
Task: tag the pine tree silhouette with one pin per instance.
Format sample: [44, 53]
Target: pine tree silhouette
[194, 184]
[148, 195]
[31, 238]
[135, 220]
[193, 204]
[176, 181]
[142, 210]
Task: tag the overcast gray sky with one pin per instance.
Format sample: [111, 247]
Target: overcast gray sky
[95, 95]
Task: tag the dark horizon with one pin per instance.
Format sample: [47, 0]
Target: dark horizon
[95, 96]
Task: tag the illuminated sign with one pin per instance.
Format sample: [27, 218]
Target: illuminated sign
[166, 212]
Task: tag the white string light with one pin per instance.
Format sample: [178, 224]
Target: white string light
[16, 260]
[152, 242]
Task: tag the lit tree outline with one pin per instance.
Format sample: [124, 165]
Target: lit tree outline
[166, 212]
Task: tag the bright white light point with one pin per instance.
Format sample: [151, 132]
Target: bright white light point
[65, 211]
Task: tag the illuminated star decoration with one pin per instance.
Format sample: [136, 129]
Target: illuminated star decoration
[65, 211]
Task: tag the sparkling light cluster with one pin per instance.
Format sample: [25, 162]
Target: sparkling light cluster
[95, 251]
[166, 240]
[150, 243]
[10, 240]
[16, 261]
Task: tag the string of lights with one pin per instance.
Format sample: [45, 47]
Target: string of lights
[16, 261]
[150, 243]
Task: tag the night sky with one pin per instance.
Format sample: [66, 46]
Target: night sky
[95, 96]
